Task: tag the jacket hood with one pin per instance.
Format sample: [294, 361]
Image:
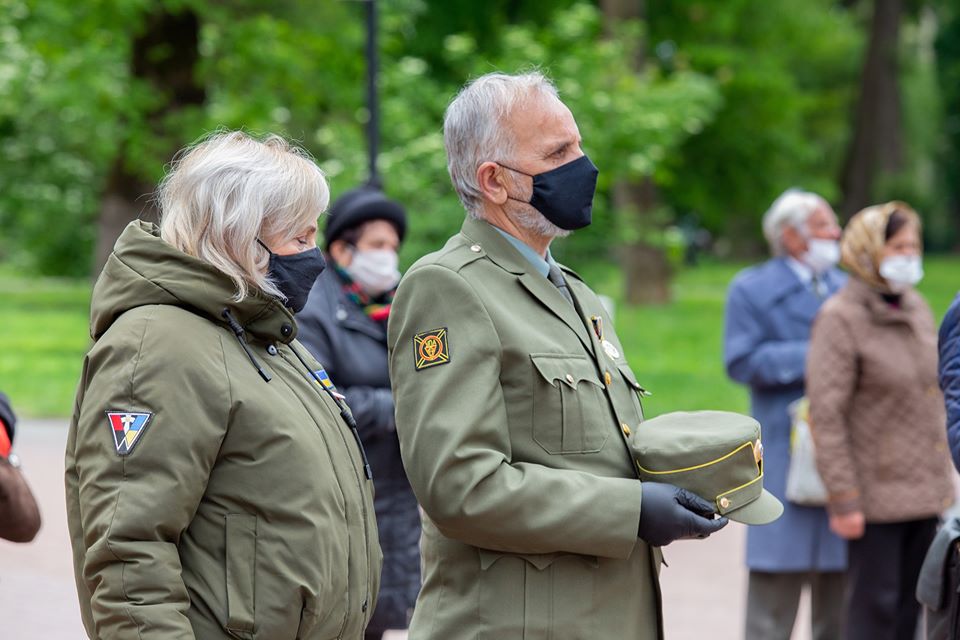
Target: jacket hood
[145, 270]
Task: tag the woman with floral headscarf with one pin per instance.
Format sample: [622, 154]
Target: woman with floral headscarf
[877, 415]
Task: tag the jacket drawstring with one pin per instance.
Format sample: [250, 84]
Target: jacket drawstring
[241, 338]
[344, 412]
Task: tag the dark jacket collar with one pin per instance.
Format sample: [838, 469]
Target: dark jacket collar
[881, 311]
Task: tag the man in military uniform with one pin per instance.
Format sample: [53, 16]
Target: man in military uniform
[514, 400]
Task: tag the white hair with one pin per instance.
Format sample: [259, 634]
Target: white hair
[229, 189]
[476, 127]
[792, 209]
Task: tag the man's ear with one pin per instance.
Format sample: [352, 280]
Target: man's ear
[491, 180]
[793, 241]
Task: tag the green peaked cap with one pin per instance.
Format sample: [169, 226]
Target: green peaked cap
[717, 455]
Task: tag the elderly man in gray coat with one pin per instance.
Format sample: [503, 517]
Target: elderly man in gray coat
[770, 309]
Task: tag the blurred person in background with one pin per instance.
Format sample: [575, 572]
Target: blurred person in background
[949, 347]
[344, 325]
[19, 513]
[878, 420]
[215, 487]
[770, 309]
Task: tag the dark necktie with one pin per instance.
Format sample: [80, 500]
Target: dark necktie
[556, 277]
[819, 286]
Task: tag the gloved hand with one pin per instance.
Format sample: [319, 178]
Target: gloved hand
[670, 513]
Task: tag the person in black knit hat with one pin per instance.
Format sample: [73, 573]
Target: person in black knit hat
[344, 325]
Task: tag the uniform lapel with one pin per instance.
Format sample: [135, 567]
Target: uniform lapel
[798, 299]
[509, 259]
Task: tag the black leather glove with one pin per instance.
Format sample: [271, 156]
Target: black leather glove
[670, 513]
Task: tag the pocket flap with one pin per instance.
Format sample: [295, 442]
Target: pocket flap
[570, 369]
[241, 552]
[540, 561]
[631, 380]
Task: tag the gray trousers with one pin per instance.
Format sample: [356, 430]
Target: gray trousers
[773, 598]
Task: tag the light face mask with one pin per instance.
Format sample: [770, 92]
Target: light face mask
[295, 274]
[375, 270]
[901, 272]
[564, 195]
[821, 255]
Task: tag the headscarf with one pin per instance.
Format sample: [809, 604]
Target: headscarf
[864, 238]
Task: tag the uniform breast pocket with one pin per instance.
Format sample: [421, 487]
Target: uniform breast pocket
[570, 412]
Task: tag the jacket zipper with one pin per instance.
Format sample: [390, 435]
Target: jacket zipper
[351, 423]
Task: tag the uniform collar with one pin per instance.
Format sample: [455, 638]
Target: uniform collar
[487, 240]
[539, 263]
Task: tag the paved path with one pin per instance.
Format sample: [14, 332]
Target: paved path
[704, 586]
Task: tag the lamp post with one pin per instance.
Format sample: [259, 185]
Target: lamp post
[373, 105]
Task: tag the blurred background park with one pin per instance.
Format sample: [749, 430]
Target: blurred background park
[697, 112]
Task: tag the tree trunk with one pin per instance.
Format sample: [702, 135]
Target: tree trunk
[165, 55]
[645, 268]
[877, 144]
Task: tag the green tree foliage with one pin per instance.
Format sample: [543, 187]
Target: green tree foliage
[299, 72]
[787, 72]
[71, 105]
[739, 100]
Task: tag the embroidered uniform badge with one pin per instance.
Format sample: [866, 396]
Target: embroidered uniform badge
[431, 348]
[127, 428]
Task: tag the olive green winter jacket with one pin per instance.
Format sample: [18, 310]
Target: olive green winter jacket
[205, 501]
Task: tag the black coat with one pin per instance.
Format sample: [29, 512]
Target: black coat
[353, 350]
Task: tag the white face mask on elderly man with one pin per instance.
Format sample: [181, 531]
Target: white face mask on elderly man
[821, 255]
[901, 272]
[375, 270]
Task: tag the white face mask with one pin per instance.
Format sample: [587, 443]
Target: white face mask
[821, 255]
[375, 271]
[901, 272]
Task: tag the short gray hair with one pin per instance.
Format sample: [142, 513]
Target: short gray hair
[475, 131]
[227, 190]
[791, 209]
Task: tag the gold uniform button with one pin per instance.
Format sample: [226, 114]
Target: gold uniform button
[724, 503]
[475, 248]
[569, 378]
[607, 378]
[626, 428]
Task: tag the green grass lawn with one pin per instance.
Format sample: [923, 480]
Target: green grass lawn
[674, 349]
[44, 337]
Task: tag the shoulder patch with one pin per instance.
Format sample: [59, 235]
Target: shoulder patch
[127, 428]
[431, 348]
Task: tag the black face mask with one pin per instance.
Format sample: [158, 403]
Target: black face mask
[295, 274]
[564, 195]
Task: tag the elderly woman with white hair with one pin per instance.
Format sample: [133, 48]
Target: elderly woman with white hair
[770, 309]
[215, 484]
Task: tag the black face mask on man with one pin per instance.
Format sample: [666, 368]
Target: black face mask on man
[295, 274]
[564, 195]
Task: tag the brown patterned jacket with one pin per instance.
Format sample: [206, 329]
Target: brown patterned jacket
[875, 406]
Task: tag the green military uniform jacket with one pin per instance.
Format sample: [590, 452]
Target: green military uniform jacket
[203, 501]
[513, 421]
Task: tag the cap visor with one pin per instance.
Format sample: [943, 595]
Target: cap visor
[763, 510]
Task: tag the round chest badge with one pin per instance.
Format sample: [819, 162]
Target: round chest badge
[610, 349]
